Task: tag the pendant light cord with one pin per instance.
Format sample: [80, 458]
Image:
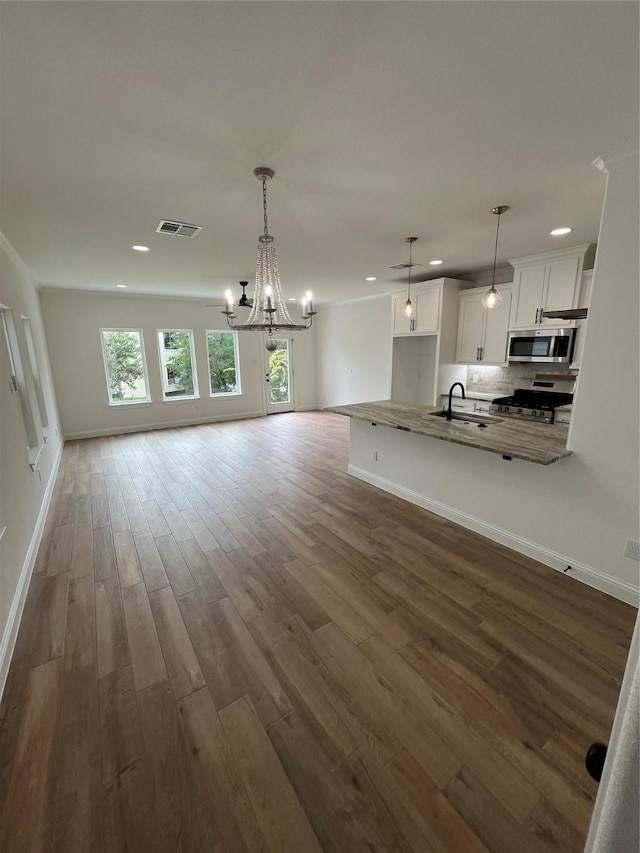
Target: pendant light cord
[495, 255]
[410, 268]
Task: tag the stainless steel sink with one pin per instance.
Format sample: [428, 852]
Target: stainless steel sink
[469, 417]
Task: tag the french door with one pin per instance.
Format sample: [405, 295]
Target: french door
[278, 372]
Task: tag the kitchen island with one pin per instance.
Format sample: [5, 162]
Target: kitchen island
[511, 438]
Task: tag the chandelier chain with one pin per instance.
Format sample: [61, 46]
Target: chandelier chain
[264, 206]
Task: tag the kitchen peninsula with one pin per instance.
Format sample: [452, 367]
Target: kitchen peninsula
[532, 442]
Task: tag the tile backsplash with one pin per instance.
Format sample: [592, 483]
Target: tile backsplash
[502, 381]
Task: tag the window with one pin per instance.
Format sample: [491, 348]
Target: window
[224, 375]
[125, 366]
[19, 384]
[177, 364]
[169, 341]
[35, 371]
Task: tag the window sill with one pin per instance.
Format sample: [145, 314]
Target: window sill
[126, 405]
[225, 394]
[34, 454]
[170, 400]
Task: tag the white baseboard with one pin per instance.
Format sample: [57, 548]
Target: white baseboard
[312, 408]
[587, 574]
[10, 634]
[96, 433]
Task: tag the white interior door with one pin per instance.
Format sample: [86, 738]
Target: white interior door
[279, 376]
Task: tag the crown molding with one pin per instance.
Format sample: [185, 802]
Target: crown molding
[627, 155]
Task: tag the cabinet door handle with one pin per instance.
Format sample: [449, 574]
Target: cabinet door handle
[477, 353]
[537, 312]
[481, 353]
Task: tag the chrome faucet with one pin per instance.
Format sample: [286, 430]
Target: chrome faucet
[449, 412]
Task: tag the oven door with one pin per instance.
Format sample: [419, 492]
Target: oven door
[551, 346]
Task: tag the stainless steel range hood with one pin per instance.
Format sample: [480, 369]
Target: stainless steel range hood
[569, 314]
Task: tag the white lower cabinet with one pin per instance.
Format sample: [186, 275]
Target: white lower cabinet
[482, 332]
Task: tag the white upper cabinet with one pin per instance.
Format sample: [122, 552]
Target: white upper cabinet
[427, 308]
[482, 332]
[546, 283]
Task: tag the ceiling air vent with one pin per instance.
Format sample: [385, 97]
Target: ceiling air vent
[405, 265]
[181, 229]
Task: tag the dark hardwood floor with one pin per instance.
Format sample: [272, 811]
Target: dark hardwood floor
[231, 645]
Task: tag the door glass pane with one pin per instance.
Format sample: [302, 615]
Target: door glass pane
[279, 372]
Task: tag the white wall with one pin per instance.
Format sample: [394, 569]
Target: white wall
[24, 493]
[73, 321]
[354, 351]
[577, 512]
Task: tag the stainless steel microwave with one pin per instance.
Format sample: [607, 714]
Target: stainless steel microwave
[553, 346]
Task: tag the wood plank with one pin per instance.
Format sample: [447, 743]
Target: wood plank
[82, 511]
[118, 518]
[112, 644]
[225, 804]
[412, 724]
[177, 812]
[51, 625]
[426, 817]
[59, 559]
[280, 816]
[492, 823]
[225, 680]
[175, 522]
[202, 571]
[127, 561]
[78, 790]
[155, 519]
[128, 813]
[80, 641]
[82, 551]
[104, 555]
[147, 660]
[357, 628]
[307, 683]
[342, 804]
[183, 668]
[153, 571]
[29, 806]
[265, 691]
[175, 566]
[99, 511]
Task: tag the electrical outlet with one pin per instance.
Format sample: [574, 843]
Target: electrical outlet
[632, 550]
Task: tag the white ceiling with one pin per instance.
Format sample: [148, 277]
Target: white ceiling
[381, 120]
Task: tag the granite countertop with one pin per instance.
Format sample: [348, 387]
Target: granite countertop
[533, 442]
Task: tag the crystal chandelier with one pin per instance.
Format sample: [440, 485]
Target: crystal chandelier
[269, 311]
[493, 297]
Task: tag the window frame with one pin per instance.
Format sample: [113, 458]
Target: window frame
[236, 356]
[19, 385]
[124, 403]
[36, 374]
[163, 368]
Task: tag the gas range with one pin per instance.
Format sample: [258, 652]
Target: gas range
[531, 405]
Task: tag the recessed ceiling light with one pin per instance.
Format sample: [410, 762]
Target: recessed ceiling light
[558, 232]
[436, 263]
[370, 278]
[121, 285]
[140, 248]
[292, 299]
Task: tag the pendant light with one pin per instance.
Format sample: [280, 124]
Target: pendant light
[493, 297]
[408, 305]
